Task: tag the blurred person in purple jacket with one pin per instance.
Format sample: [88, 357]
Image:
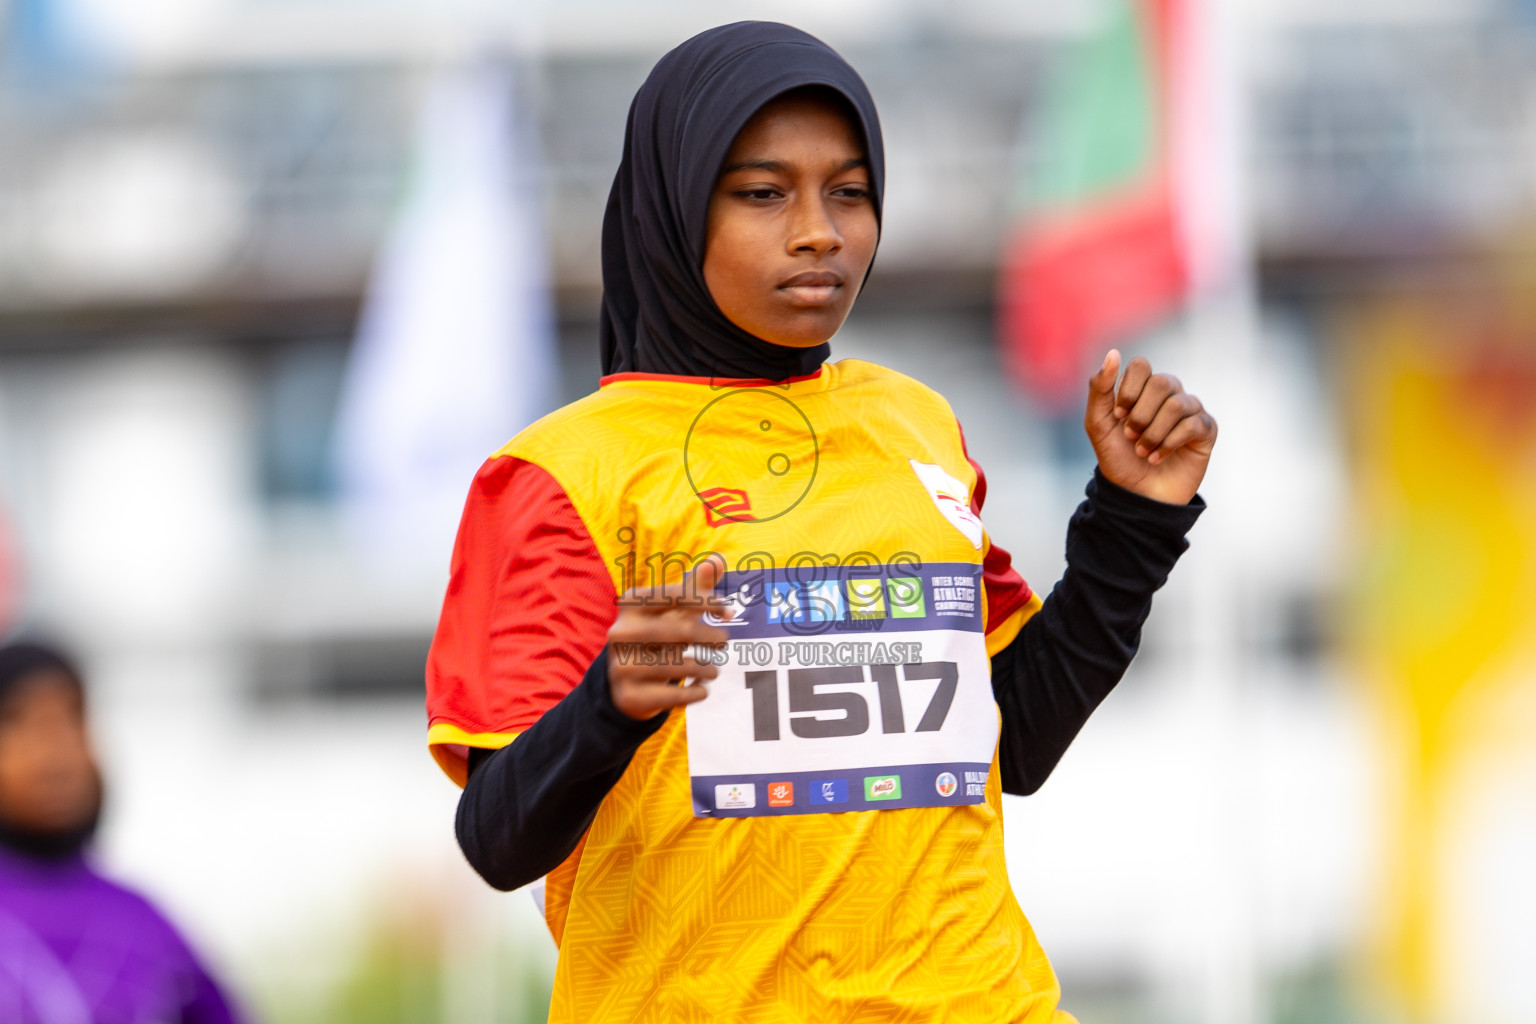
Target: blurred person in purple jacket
[75, 948]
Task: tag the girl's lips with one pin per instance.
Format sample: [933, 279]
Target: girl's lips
[813, 287]
[811, 294]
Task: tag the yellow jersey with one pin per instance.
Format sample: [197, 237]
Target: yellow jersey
[828, 846]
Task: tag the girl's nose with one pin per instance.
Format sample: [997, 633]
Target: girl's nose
[813, 229]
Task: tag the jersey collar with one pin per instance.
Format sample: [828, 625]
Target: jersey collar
[714, 382]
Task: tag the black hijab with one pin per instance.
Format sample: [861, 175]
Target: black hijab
[658, 316]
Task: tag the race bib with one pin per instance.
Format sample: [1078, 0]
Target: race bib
[846, 688]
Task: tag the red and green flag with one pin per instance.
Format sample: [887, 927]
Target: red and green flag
[1100, 251]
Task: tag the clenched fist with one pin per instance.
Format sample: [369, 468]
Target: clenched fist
[1151, 436]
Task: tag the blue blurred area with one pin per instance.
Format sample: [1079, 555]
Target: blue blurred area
[34, 39]
[46, 54]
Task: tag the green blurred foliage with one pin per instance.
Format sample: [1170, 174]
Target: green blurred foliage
[410, 968]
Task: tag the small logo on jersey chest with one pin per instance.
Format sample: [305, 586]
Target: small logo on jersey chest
[726, 505]
[952, 498]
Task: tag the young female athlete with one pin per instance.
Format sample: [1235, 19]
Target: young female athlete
[819, 835]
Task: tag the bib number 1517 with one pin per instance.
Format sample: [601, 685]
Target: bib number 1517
[807, 703]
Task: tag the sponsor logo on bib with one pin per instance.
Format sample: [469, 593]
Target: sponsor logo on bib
[882, 787]
[906, 597]
[781, 794]
[946, 784]
[737, 797]
[829, 791]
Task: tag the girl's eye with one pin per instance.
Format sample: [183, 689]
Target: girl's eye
[757, 194]
[852, 192]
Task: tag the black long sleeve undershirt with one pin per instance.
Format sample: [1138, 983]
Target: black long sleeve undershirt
[1072, 652]
[526, 806]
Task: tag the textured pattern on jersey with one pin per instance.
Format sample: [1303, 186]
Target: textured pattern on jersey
[898, 915]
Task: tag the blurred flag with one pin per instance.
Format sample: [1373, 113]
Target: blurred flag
[1444, 411]
[1107, 241]
[454, 351]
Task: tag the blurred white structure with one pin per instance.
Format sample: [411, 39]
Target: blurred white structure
[455, 345]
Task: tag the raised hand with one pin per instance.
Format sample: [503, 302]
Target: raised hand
[1151, 437]
[649, 652]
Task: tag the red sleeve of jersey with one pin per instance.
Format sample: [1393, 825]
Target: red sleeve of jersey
[1006, 590]
[528, 607]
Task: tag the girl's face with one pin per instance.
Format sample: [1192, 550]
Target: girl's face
[792, 225]
[48, 778]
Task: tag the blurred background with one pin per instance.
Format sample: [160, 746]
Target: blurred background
[275, 276]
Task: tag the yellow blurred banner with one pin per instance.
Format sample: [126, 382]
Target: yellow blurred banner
[1442, 394]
